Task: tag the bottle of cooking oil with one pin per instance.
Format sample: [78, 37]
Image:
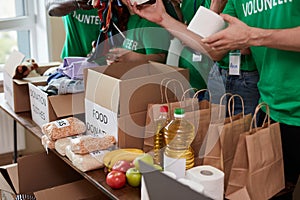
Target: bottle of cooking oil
[159, 141]
[179, 134]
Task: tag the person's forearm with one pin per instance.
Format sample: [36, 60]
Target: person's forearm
[189, 38]
[62, 9]
[284, 39]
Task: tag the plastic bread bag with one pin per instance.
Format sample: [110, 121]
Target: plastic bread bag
[47, 143]
[90, 143]
[88, 161]
[61, 144]
[63, 128]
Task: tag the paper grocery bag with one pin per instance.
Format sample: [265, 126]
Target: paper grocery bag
[222, 139]
[257, 169]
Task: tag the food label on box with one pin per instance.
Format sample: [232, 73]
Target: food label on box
[39, 105]
[99, 120]
[8, 89]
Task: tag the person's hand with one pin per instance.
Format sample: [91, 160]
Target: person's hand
[235, 36]
[152, 12]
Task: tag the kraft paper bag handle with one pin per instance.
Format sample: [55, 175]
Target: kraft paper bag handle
[200, 91]
[185, 92]
[161, 88]
[221, 101]
[166, 88]
[267, 117]
[231, 111]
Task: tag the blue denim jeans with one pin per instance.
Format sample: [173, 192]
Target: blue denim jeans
[245, 85]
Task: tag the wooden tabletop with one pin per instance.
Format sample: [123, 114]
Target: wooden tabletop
[96, 177]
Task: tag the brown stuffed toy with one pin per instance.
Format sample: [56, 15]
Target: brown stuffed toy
[25, 68]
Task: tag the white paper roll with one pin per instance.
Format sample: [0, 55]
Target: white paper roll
[211, 178]
[192, 184]
[206, 22]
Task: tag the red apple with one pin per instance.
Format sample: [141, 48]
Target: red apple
[122, 165]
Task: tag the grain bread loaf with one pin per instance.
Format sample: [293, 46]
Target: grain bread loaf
[63, 128]
[89, 143]
[88, 161]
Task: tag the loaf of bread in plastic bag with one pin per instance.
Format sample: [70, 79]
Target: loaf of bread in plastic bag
[88, 161]
[63, 128]
[89, 143]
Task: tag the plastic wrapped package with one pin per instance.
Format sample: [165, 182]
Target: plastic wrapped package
[89, 143]
[88, 161]
[47, 143]
[63, 128]
[61, 144]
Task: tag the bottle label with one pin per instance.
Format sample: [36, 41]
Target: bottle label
[175, 165]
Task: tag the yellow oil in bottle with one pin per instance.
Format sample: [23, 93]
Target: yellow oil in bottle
[159, 141]
[179, 134]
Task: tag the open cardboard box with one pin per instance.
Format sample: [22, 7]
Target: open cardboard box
[45, 108]
[16, 91]
[117, 97]
[45, 175]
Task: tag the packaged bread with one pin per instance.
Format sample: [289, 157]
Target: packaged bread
[63, 128]
[88, 161]
[89, 143]
[61, 144]
[47, 143]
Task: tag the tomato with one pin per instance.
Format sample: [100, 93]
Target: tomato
[116, 179]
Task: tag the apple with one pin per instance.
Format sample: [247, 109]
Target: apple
[133, 177]
[158, 167]
[116, 179]
[122, 165]
[147, 158]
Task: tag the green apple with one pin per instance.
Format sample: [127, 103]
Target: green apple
[146, 158]
[133, 177]
[158, 167]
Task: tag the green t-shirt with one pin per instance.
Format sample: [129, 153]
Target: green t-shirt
[279, 70]
[143, 36]
[82, 28]
[197, 69]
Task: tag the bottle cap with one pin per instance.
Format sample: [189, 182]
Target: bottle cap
[179, 111]
[163, 109]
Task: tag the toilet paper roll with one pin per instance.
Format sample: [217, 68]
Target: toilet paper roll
[192, 184]
[211, 178]
[206, 22]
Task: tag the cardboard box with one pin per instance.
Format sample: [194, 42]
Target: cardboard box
[16, 91]
[78, 190]
[117, 97]
[45, 108]
[34, 173]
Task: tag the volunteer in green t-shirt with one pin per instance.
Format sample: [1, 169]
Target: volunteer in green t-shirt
[271, 29]
[144, 41]
[272, 32]
[81, 23]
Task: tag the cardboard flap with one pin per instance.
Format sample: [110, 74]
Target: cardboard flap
[5, 185]
[38, 79]
[9, 178]
[13, 61]
[40, 171]
[103, 90]
[67, 105]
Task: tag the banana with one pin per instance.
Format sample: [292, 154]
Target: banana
[110, 155]
[129, 156]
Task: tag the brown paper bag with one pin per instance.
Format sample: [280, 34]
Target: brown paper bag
[257, 169]
[222, 139]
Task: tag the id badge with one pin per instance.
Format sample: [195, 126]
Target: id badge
[234, 63]
[197, 57]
